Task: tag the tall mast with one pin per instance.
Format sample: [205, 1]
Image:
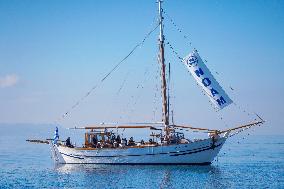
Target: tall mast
[163, 69]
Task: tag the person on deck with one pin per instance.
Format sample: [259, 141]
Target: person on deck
[95, 141]
[131, 142]
[124, 142]
[118, 140]
[68, 143]
[215, 136]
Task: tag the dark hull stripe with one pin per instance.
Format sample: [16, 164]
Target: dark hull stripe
[72, 156]
[162, 153]
[205, 163]
[197, 151]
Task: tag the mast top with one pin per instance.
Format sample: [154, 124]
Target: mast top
[161, 36]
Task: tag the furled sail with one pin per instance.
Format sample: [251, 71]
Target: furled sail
[206, 80]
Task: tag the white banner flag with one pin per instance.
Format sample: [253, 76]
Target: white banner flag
[206, 80]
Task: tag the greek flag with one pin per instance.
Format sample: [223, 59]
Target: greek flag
[56, 136]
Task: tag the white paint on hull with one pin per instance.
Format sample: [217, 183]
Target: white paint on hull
[199, 152]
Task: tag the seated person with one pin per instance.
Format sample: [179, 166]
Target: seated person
[114, 144]
[99, 145]
[95, 141]
[118, 140]
[108, 144]
[150, 141]
[113, 138]
[68, 143]
[123, 143]
[131, 142]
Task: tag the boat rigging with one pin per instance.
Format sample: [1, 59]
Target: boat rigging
[167, 144]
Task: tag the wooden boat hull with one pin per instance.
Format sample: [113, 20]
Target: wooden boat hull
[199, 152]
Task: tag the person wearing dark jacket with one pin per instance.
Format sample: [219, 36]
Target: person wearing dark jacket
[68, 143]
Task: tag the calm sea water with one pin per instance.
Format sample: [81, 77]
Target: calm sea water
[253, 162]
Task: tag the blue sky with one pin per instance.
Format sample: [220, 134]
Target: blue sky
[53, 52]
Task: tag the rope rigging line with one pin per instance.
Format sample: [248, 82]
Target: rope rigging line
[108, 74]
[178, 29]
[181, 60]
[219, 113]
[156, 89]
[174, 51]
[123, 83]
[232, 89]
[140, 86]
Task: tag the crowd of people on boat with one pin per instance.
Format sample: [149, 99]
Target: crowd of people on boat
[115, 141]
[110, 140]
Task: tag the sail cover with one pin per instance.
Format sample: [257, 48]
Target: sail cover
[205, 79]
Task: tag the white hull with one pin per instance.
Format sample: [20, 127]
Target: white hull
[199, 152]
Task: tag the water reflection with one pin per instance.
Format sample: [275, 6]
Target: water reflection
[257, 163]
[166, 180]
[88, 168]
[68, 168]
[133, 176]
[96, 168]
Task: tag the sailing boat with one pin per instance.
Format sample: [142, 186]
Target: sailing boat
[167, 144]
